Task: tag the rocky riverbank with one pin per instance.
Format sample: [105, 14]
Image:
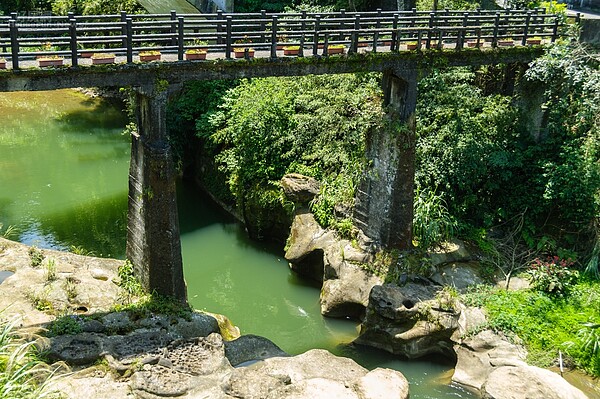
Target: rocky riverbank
[138, 353]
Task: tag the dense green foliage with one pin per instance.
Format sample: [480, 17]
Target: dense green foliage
[314, 125]
[547, 323]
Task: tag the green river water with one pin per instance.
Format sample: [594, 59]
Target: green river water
[63, 183]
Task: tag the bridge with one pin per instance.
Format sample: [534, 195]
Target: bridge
[401, 45]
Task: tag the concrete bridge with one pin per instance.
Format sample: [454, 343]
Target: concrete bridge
[377, 42]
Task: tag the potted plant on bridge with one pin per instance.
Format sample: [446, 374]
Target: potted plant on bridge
[239, 52]
[507, 42]
[336, 49]
[472, 43]
[103, 58]
[291, 50]
[534, 41]
[2, 63]
[51, 60]
[195, 54]
[146, 56]
[411, 45]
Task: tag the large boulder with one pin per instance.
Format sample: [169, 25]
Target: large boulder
[478, 355]
[251, 347]
[321, 255]
[526, 382]
[299, 188]
[411, 321]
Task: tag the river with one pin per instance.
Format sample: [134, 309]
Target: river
[63, 185]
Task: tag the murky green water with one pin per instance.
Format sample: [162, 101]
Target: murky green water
[63, 183]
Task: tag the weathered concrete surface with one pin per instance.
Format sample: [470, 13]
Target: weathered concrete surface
[153, 242]
[136, 74]
[590, 31]
[384, 199]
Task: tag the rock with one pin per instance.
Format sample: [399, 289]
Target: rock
[80, 349]
[201, 325]
[320, 255]
[525, 382]
[299, 188]
[382, 384]
[306, 245]
[100, 274]
[347, 295]
[117, 321]
[251, 347]
[411, 321]
[453, 251]
[458, 275]
[315, 388]
[93, 326]
[245, 383]
[479, 355]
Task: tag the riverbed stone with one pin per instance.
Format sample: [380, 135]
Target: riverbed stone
[411, 321]
[480, 354]
[526, 382]
[458, 275]
[251, 347]
[382, 384]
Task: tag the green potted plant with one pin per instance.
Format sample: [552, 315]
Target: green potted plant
[195, 54]
[102, 58]
[239, 52]
[146, 56]
[50, 60]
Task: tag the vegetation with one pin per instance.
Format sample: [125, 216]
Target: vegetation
[22, 374]
[548, 323]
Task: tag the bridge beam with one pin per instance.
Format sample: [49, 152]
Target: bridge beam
[153, 243]
[385, 198]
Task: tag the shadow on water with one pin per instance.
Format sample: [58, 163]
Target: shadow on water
[98, 225]
[98, 114]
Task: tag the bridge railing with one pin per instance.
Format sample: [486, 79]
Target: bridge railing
[22, 40]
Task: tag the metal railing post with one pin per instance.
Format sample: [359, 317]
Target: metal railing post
[496, 26]
[219, 27]
[394, 33]
[555, 30]
[274, 37]
[129, 39]
[354, 43]
[180, 38]
[316, 35]
[302, 39]
[430, 30]
[228, 37]
[526, 29]
[14, 43]
[73, 39]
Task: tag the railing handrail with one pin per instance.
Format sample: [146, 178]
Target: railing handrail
[131, 33]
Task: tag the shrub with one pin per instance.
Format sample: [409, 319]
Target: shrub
[553, 275]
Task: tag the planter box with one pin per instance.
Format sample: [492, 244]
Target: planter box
[99, 61]
[150, 57]
[474, 44]
[336, 50]
[240, 54]
[2, 64]
[87, 54]
[506, 43]
[291, 51]
[411, 46]
[195, 56]
[50, 62]
[534, 42]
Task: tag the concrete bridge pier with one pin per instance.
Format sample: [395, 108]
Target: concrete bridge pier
[153, 242]
[385, 198]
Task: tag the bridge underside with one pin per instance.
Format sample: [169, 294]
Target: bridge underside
[384, 200]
